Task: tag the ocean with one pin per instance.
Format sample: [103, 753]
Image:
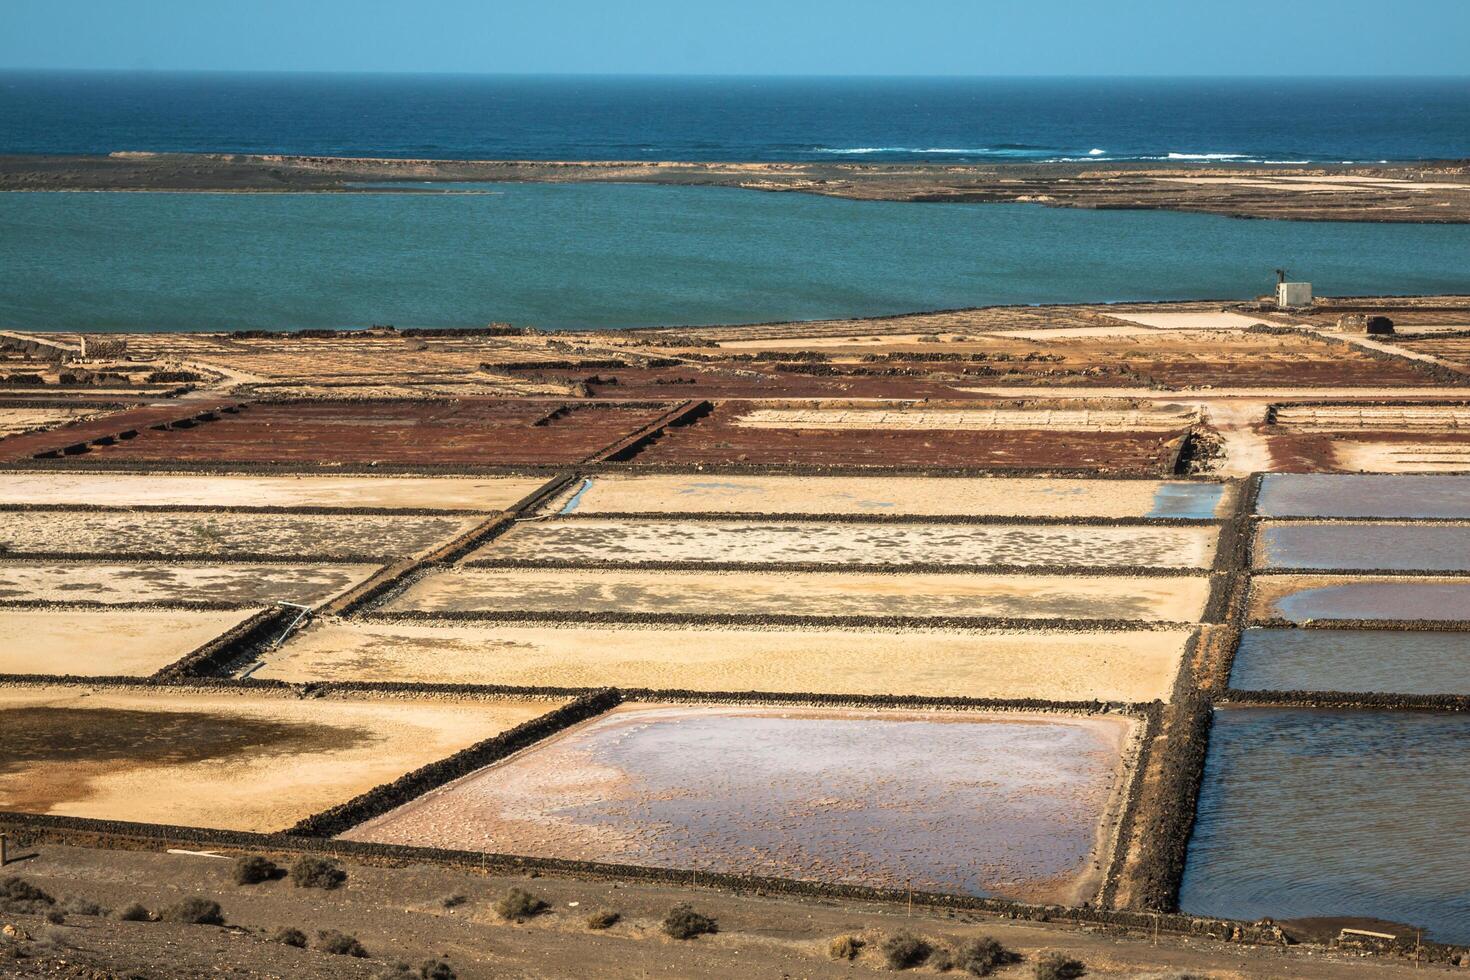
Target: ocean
[622, 255]
[754, 119]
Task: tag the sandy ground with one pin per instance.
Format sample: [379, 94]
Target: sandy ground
[1346, 418]
[650, 540]
[398, 914]
[278, 535]
[1400, 457]
[17, 420]
[114, 642]
[896, 495]
[186, 490]
[1215, 320]
[229, 760]
[1140, 420]
[1125, 666]
[999, 804]
[151, 582]
[1173, 599]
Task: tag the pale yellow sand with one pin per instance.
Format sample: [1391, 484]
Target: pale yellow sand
[644, 540]
[158, 582]
[106, 642]
[1401, 457]
[248, 761]
[1161, 419]
[188, 490]
[1172, 599]
[16, 420]
[899, 496]
[1216, 320]
[1125, 666]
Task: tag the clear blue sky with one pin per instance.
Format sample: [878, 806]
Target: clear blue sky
[756, 37]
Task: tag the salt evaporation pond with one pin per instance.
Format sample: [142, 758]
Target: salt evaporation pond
[1307, 813]
[1401, 547]
[1363, 495]
[1197, 501]
[980, 804]
[1383, 661]
[1436, 600]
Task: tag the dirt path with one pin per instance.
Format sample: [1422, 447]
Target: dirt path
[398, 914]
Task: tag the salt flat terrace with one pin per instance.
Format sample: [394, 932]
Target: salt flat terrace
[106, 642]
[1123, 666]
[814, 595]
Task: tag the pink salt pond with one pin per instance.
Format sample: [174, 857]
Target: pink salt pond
[1007, 805]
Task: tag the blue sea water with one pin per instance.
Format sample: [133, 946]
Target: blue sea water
[714, 118]
[617, 255]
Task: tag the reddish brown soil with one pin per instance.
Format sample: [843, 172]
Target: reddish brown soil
[715, 439]
[923, 379]
[1317, 452]
[117, 425]
[469, 432]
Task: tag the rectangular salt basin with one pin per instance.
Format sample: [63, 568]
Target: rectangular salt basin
[106, 642]
[1132, 666]
[233, 761]
[905, 496]
[1363, 495]
[176, 582]
[645, 540]
[190, 490]
[1307, 813]
[1303, 598]
[815, 594]
[1009, 805]
[312, 536]
[1399, 547]
[1373, 661]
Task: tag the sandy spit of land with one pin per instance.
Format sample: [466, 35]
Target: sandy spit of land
[1172, 599]
[898, 496]
[154, 582]
[1128, 666]
[837, 543]
[109, 642]
[189, 490]
[229, 760]
[194, 533]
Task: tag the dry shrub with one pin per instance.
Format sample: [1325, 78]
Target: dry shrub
[287, 936]
[845, 947]
[904, 950]
[339, 944]
[75, 905]
[194, 911]
[252, 869]
[982, 957]
[603, 919]
[56, 917]
[1058, 966]
[20, 897]
[452, 901]
[316, 872]
[134, 912]
[518, 905]
[683, 922]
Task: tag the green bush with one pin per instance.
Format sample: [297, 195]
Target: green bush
[982, 957]
[194, 911]
[683, 922]
[252, 869]
[316, 872]
[133, 912]
[603, 918]
[518, 905]
[845, 947]
[1058, 966]
[339, 944]
[287, 936]
[903, 950]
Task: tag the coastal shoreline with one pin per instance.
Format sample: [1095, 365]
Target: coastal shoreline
[1431, 191]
